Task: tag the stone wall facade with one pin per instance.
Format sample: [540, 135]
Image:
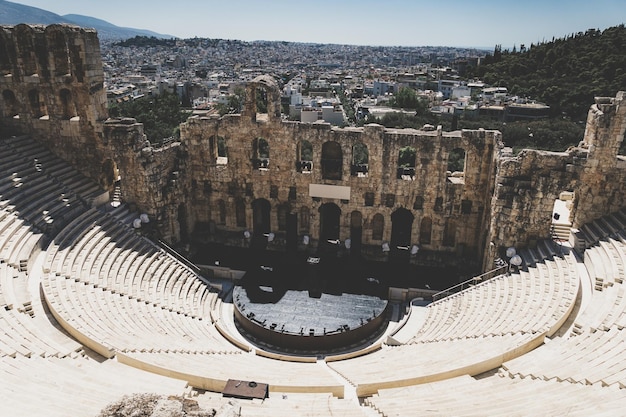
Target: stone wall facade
[431, 207]
[255, 174]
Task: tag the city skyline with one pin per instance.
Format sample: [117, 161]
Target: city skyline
[393, 23]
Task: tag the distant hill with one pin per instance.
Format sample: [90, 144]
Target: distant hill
[108, 30]
[565, 73]
[14, 13]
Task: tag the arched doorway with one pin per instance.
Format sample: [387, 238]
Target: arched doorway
[332, 161]
[110, 180]
[401, 225]
[261, 216]
[330, 215]
[356, 232]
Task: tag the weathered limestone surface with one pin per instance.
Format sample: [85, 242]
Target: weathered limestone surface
[246, 172]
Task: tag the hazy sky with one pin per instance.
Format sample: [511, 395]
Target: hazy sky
[481, 23]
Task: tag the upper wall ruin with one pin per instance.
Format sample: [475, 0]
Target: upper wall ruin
[454, 194]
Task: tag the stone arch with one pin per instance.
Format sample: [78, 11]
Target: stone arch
[262, 92]
[401, 227]
[261, 222]
[260, 153]
[10, 104]
[68, 108]
[221, 212]
[456, 161]
[305, 219]
[110, 180]
[407, 157]
[360, 160]
[378, 226]
[449, 232]
[426, 229]
[356, 232]
[332, 161]
[240, 213]
[58, 42]
[37, 104]
[418, 203]
[282, 216]
[7, 53]
[25, 41]
[330, 217]
[217, 150]
[304, 156]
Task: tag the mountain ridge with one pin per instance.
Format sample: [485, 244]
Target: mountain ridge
[14, 13]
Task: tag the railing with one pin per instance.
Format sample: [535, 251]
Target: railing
[470, 282]
[179, 257]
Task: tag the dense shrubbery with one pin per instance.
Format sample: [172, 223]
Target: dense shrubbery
[548, 134]
[161, 115]
[145, 41]
[565, 73]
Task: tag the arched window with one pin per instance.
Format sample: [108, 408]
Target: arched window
[260, 154]
[304, 219]
[240, 213]
[305, 157]
[217, 150]
[221, 211]
[37, 105]
[332, 161]
[360, 160]
[406, 163]
[221, 148]
[378, 226]
[25, 42]
[7, 54]
[67, 104]
[426, 228]
[61, 53]
[449, 232]
[456, 162]
[261, 100]
[281, 213]
[11, 107]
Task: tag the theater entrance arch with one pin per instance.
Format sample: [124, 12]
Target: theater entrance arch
[401, 225]
[330, 215]
[356, 232]
[260, 222]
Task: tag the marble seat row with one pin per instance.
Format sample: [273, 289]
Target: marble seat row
[109, 322]
[78, 386]
[282, 404]
[589, 358]
[431, 361]
[593, 353]
[106, 253]
[23, 332]
[212, 371]
[499, 395]
[532, 300]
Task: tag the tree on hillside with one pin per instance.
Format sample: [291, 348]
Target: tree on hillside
[161, 115]
[407, 98]
[564, 73]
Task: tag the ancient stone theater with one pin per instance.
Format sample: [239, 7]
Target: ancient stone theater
[95, 304]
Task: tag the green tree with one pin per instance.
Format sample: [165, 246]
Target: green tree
[161, 115]
[234, 104]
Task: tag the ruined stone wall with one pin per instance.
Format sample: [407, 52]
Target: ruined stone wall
[454, 205]
[51, 81]
[228, 173]
[528, 184]
[603, 180]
